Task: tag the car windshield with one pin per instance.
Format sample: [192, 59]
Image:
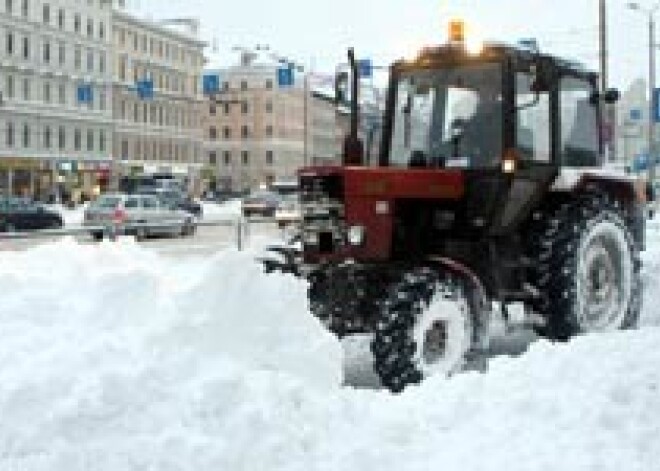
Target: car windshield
[448, 117]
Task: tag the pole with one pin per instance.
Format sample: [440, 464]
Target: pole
[652, 110]
[603, 45]
[305, 117]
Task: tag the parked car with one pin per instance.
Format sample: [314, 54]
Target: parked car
[288, 211]
[19, 214]
[260, 203]
[174, 199]
[128, 212]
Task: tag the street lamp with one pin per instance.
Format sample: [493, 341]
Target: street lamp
[650, 12]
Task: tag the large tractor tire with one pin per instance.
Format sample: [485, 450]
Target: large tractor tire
[427, 328]
[586, 267]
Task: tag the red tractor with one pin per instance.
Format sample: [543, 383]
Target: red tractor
[490, 189]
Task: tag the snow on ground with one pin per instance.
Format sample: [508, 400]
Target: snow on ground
[229, 209]
[113, 358]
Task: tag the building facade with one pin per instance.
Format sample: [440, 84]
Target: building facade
[56, 110]
[258, 131]
[157, 129]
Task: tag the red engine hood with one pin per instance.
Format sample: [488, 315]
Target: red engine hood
[389, 182]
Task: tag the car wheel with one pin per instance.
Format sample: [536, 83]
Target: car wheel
[97, 236]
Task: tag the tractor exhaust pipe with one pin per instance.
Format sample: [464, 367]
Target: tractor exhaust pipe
[353, 148]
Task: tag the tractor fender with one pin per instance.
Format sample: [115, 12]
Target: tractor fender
[626, 188]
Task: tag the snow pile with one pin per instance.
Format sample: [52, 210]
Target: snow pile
[651, 274]
[113, 358]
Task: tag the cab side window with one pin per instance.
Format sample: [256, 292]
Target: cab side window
[533, 128]
[580, 146]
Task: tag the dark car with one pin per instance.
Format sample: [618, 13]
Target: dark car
[173, 199]
[17, 214]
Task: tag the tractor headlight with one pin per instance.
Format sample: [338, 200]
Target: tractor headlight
[357, 235]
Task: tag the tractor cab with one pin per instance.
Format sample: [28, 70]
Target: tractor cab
[504, 109]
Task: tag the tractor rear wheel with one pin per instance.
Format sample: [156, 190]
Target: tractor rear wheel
[587, 269]
[427, 328]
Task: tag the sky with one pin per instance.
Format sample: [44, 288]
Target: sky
[318, 33]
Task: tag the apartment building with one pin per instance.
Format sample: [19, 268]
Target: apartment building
[56, 111]
[157, 97]
[258, 130]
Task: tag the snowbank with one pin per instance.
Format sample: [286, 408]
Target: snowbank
[113, 358]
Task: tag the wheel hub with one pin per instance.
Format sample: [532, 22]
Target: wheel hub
[435, 342]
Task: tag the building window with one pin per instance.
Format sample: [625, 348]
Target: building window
[90, 28]
[212, 158]
[26, 135]
[245, 107]
[76, 23]
[47, 137]
[90, 60]
[212, 110]
[244, 85]
[269, 84]
[10, 134]
[101, 30]
[269, 157]
[10, 44]
[102, 99]
[46, 52]
[122, 69]
[227, 108]
[60, 18]
[124, 149]
[269, 131]
[135, 42]
[9, 6]
[10, 86]
[227, 132]
[47, 97]
[144, 43]
[227, 157]
[102, 62]
[245, 132]
[26, 89]
[213, 133]
[90, 140]
[61, 138]
[77, 139]
[102, 140]
[26, 47]
[77, 58]
[25, 8]
[46, 13]
[269, 107]
[136, 112]
[62, 53]
[225, 85]
[245, 156]
[61, 94]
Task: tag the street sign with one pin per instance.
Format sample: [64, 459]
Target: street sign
[365, 68]
[656, 107]
[85, 93]
[145, 89]
[285, 76]
[211, 84]
[636, 114]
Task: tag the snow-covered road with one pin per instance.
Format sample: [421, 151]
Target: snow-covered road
[115, 358]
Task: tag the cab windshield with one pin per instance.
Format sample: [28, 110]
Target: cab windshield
[449, 117]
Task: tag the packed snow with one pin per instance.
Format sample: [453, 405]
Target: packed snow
[114, 358]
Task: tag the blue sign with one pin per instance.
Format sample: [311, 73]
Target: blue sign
[656, 102]
[211, 84]
[85, 93]
[636, 114]
[145, 89]
[285, 76]
[365, 68]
